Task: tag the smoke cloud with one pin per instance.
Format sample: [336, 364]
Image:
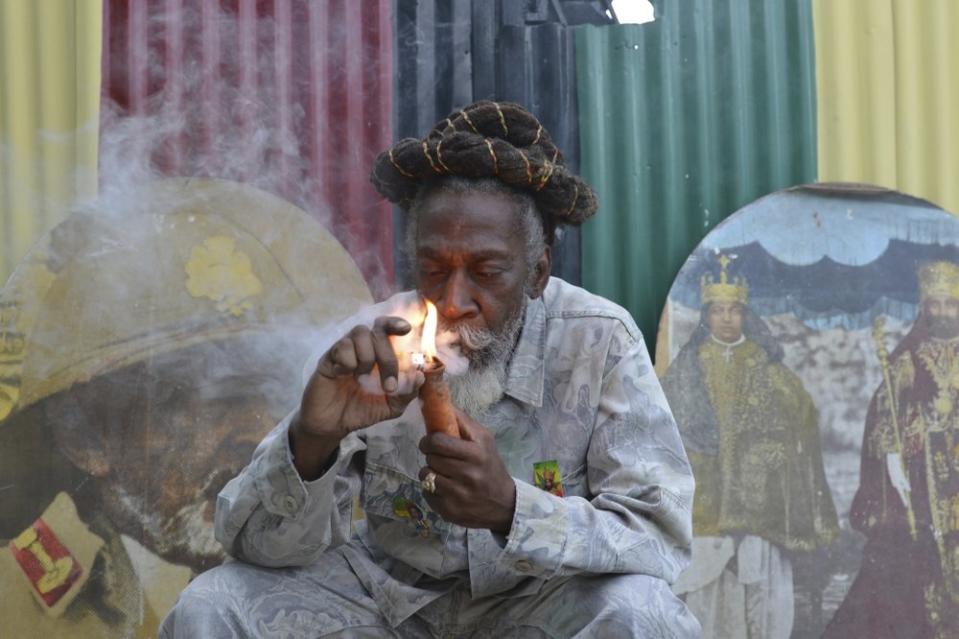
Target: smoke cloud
[253, 95]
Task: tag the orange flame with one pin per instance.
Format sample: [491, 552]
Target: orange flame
[428, 340]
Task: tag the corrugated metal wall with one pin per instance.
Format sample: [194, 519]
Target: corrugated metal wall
[290, 95]
[889, 95]
[452, 52]
[683, 121]
[49, 102]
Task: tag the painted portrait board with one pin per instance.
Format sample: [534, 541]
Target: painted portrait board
[810, 353]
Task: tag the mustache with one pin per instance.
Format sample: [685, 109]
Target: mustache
[471, 338]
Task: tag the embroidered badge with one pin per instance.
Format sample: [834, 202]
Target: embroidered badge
[408, 510]
[546, 476]
[46, 562]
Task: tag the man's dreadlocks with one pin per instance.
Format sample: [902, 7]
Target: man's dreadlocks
[499, 140]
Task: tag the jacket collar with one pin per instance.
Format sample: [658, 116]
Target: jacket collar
[525, 376]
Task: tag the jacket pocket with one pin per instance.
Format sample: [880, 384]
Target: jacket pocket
[574, 483]
[395, 504]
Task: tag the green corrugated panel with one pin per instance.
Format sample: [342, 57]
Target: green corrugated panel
[683, 121]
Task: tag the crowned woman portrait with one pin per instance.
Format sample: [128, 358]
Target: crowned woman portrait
[751, 432]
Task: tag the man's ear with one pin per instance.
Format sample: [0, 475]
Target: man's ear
[540, 274]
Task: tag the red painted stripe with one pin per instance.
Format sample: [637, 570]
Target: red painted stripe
[293, 96]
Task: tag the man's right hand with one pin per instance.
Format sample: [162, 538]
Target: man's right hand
[897, 476]
[335, 404]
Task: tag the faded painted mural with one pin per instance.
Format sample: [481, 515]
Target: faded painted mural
[146, 346]
[810, 353]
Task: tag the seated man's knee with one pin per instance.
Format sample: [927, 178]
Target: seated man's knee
[239, 599]
[637, 606]
[208, 606]
[659, 613]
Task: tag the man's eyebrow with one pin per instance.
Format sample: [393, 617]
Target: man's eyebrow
[472, 256]
[427, 252]
[491, 254]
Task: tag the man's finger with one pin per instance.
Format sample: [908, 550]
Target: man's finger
[392, 325]
[441, 480]
[343, 357]
[409, 383]
[465, 425]
[446, 466]
[364, 348]
[385, 359]
[446, 446]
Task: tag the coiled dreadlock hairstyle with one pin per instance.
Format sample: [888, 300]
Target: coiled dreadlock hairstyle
[500, 140]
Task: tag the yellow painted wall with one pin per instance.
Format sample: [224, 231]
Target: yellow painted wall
[888, 95]
[49, 116]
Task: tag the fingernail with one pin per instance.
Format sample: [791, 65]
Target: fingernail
[390, 384]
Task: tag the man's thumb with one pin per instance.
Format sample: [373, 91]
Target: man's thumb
[463, 423]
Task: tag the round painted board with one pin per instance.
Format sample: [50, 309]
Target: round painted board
[809, 350]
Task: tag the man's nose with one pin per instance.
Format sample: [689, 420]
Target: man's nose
[456, 302]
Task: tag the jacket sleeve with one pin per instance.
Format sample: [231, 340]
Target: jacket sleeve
[639, 516]
[268, 516]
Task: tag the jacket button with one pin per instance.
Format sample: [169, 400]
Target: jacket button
[289, 502]
[523, 566]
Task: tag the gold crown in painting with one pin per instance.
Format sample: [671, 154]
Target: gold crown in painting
[939, 279]
[725, 290]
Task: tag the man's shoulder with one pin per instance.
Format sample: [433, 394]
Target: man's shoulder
[565, 301]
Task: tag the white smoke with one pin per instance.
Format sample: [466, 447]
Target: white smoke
[200, 120]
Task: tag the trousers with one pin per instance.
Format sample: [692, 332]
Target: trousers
[327, 599]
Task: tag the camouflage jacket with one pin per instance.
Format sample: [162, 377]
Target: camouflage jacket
[581, 393]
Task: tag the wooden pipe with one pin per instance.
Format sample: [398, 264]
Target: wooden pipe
[436, 404]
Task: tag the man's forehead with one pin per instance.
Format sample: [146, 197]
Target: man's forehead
[474, 252]
[468, 223]
[446, 206]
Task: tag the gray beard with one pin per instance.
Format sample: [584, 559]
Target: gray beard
[476, 390]
[483, 384]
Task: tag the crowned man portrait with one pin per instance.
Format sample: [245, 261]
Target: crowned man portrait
[907, 503]
[751, 432]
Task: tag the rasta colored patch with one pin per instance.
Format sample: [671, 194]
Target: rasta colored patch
[546, 476]
[406, 509]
